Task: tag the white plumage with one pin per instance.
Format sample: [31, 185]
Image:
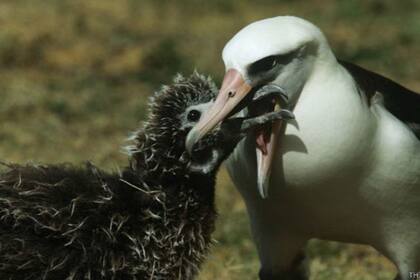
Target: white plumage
[348, 168]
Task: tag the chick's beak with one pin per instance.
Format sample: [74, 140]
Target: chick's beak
[234, 89]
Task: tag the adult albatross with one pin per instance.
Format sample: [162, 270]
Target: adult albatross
[347, 169]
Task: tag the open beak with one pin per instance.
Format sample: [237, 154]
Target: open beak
[234, 90]
[266, 147]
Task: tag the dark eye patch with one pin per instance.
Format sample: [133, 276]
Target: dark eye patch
[269, 62]
[263, 65]
[193, 115]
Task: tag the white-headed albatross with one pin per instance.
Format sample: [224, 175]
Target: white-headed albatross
[347, 169]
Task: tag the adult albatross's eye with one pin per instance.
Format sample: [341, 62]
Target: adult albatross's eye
[263, 65]
[193, 115]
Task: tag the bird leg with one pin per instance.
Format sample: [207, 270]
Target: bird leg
[240, 125]
[269, 92]
[274, 92]
[264, 109]
[266, 118]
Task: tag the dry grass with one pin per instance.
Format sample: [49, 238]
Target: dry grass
[75, 76]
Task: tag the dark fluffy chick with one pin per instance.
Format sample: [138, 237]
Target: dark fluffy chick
[152, 220]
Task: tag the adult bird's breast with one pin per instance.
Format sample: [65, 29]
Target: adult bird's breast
[331, 136]
[328, 144]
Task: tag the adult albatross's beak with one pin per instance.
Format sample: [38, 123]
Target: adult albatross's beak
[234, 90]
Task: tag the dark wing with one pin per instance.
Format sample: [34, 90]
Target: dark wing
[398, 100]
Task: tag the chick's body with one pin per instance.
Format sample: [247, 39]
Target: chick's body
[62, 222]
[153, 220]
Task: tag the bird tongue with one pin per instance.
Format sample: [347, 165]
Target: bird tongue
[263, 134]
[266, 140]
[263, 139]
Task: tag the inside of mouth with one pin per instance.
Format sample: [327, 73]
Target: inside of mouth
[263, 132]
[202, 156]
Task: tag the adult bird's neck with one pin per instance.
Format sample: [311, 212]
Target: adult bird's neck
[327, 79]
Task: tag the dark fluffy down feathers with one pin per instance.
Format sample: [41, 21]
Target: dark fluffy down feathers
[65, 222]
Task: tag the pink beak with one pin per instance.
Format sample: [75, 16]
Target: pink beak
[234, 89]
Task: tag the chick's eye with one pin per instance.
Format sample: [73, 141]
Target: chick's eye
[193, 115]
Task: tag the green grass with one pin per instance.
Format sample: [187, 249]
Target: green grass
[75, 76]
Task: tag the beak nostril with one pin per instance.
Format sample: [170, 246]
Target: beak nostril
[231, 94]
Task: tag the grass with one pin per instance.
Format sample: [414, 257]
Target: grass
[75, 76]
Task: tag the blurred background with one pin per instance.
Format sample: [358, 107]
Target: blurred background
[75, 76]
